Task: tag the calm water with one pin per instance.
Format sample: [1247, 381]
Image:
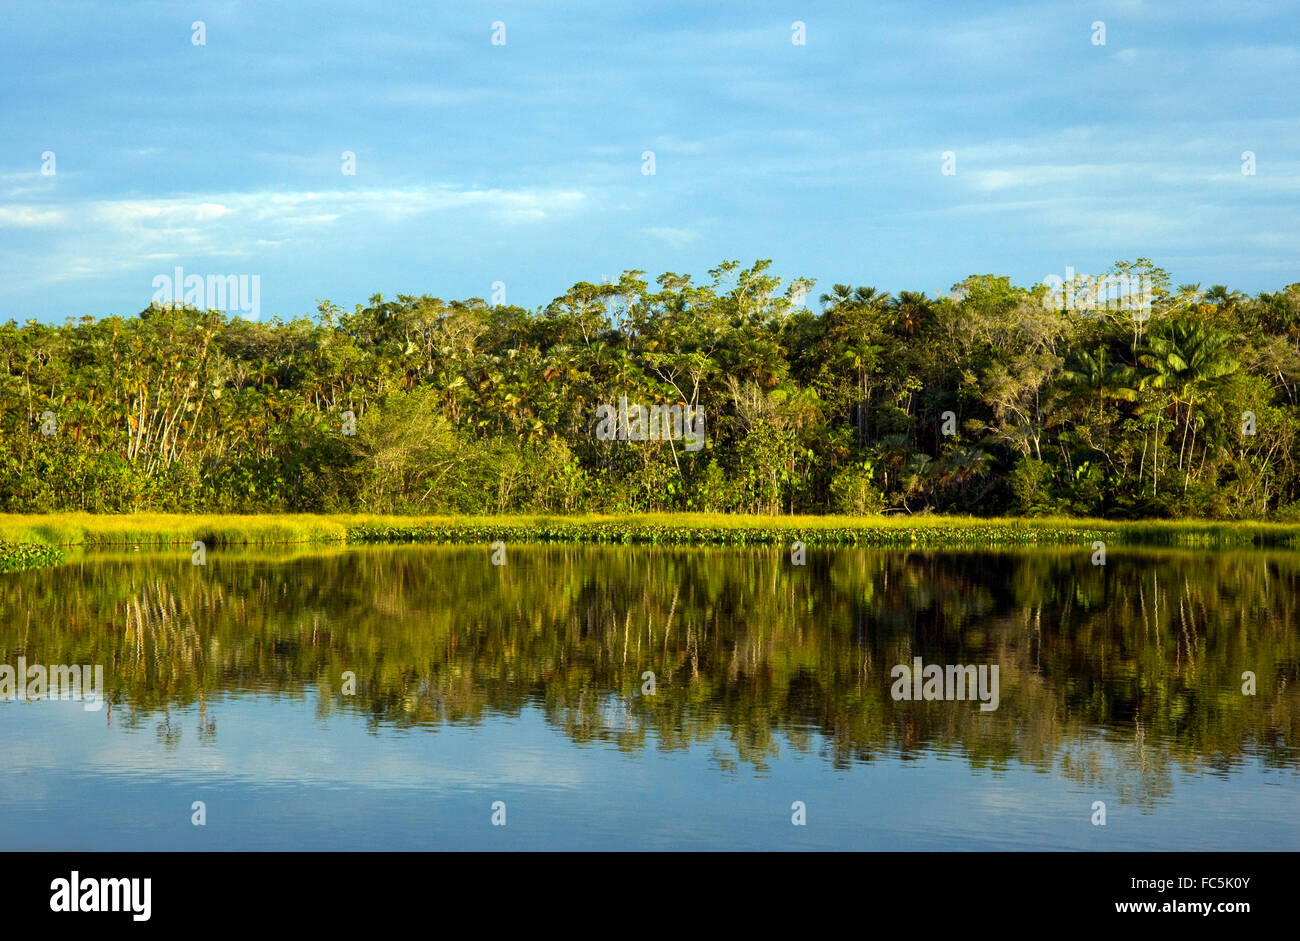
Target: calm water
[522, 684]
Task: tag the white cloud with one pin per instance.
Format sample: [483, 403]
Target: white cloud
[1045, 175]
[674, 237]
[29, 216]
[97, 237]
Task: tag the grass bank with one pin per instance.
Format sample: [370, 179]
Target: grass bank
[154, 529]
[166, 529]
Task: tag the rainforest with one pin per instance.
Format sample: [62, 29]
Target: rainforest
[1188, 410]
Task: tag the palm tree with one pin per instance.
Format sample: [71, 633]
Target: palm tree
[1187, 359]
[842, 294]
[849, 324]
[1092, 372]
[963, 464]
[917, 473]
[861, 358]
[1221, 297]
[1188, 295]
[891, 451]
[913, 311]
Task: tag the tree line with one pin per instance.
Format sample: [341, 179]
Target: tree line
[994, 399]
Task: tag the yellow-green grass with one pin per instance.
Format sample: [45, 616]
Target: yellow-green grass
[155, 529]
[152, 529]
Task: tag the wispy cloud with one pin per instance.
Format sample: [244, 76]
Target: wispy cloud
[93, 237]
[674, 237]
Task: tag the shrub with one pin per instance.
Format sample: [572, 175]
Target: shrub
[854, 492]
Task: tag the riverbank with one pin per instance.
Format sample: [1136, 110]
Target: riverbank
[154, 529]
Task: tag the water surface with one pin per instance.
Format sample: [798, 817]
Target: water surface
[772, 685]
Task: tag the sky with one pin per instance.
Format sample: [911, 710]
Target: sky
[519, 155]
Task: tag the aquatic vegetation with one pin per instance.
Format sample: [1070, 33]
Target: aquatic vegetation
[16, 556]
[734, 530]
[699, 529]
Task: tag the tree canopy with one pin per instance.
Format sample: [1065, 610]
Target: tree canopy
[990, 400]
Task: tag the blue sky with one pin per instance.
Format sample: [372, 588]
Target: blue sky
[522, 162]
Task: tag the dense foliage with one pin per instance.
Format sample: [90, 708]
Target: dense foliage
[464, 407]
